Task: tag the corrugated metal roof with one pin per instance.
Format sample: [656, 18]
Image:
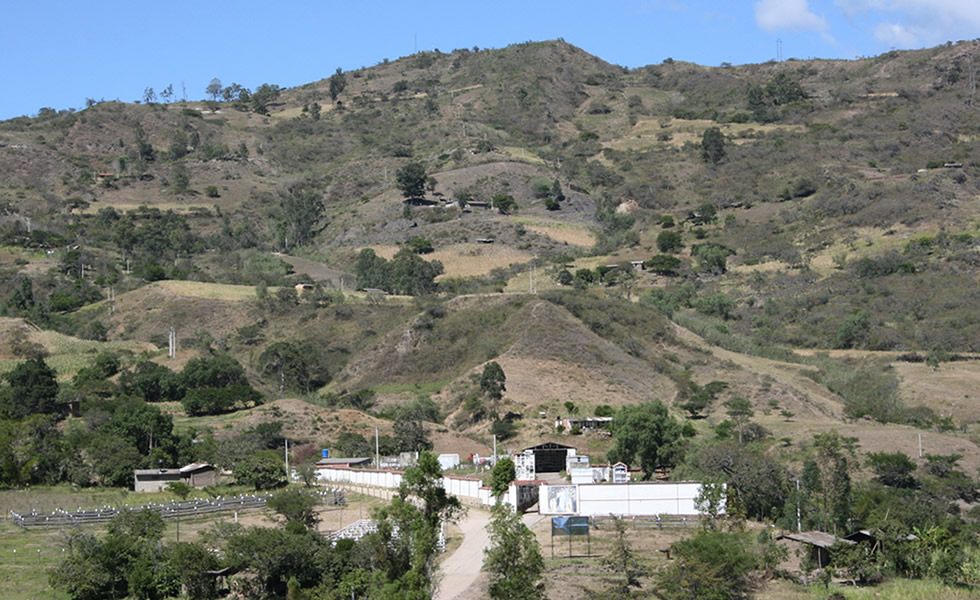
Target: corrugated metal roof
[816, 538]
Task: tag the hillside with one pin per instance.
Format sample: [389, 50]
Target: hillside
[799, 205]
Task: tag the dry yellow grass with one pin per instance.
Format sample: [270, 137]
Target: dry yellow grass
[682, 131]
[568, 234]
[467, 260]
[214, 291]
[522, 154]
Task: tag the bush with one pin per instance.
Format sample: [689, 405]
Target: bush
[211, 191]
[669, 241]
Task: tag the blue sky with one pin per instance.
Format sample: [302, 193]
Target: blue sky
[58, 53]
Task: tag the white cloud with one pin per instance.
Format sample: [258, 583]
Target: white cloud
[897, 35]
[910, 23]
[788, 15]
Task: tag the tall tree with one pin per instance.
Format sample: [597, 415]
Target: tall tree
[712, 145]
[623, 561]
[411, 180]
[492, 382]
[406, 561]
[214, 89]
[828, 479]
[301, 213]
[337, 84]
[646, 432]
[739, 409]
[501, 476]
[513, 559]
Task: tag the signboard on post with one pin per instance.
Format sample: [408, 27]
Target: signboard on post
[570, 526]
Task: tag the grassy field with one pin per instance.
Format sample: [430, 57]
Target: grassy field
[67, 354]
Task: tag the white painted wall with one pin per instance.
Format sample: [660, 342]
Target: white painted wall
[635, 499]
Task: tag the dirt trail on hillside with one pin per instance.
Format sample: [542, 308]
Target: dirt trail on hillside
[317, 271]
[821, 400]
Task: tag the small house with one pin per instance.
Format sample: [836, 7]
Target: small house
[196, 475]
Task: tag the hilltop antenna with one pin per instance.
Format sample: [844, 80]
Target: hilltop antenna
[779, 49]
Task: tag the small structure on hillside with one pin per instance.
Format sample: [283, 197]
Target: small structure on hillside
[196, 475]
[587, 424]
[818, 542]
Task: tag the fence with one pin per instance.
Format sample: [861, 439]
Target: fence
[171, 510]
[650, 522]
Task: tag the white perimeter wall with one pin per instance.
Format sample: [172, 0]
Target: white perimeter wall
[464, 487]
[635, 499]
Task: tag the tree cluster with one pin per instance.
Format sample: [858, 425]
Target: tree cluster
[406, 273]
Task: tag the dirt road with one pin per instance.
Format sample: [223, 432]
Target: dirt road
[462, 568]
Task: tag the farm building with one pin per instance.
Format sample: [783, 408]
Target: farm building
[196, 475]
[550, 457]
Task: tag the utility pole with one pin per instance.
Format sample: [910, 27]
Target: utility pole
[377, 449]
[288, 478]
[494, 461]
[172, 344]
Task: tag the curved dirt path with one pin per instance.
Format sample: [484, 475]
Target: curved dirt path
[461, 569]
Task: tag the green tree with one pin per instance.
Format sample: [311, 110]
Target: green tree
[646, 432]
[417, 512]
[711, 565]
[711, 257]
[411, 180]
[493, 380]
[262, 470]
[827, 480]
[504, 203]
[663, 264]
[740, 410]
[213, 89]
[294, 366]
[712, 145]
[265, 95]
[893, 469]
[513, 560]
[296, 506]
[302, 211]
[669, 241]
[410, 435]
[503, 473]
[180, 178]
[213, 372]
[152, 382]
[191, 562]
[337, 84]
[33, 390]
[623, 561]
